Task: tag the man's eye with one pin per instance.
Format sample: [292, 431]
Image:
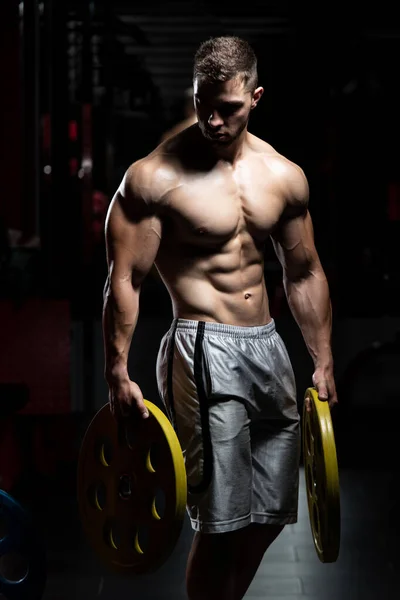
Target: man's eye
[228, 110]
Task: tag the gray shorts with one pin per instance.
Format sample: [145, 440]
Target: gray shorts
[230, 394]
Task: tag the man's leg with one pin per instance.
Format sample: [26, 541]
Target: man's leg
[256, 540]
[221, 566]
[210, 571]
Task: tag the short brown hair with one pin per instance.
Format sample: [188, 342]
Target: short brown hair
[224, 58]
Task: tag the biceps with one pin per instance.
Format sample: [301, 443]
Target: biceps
[132, 246]
[294, 245]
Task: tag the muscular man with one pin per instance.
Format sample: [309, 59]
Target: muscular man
[201, 207]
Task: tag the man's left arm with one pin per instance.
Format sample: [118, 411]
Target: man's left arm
[306, 286]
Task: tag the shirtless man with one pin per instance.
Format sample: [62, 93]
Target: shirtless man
[201, 207]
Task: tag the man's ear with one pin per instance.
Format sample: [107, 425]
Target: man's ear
[256, 97]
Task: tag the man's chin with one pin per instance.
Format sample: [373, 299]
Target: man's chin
[224, 140]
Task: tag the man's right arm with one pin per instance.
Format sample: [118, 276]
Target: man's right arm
[133, 234]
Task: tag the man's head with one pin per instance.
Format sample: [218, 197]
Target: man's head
[225, 87]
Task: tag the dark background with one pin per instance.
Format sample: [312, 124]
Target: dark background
[88, 88]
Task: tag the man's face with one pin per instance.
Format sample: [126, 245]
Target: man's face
[223, 109]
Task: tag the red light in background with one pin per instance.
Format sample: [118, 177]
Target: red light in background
[73, 131]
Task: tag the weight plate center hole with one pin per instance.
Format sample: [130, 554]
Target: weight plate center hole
[125, 486]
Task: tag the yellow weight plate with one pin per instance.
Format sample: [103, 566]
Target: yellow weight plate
[322, 477]
[132, 490]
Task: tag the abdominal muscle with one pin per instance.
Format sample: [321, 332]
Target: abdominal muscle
[226, 287]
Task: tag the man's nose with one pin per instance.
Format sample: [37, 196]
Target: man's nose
[214, 120]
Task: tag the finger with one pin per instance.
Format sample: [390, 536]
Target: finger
[142, 410]
[134, 410]
[315, 380]
[322, 391]
[145, 412]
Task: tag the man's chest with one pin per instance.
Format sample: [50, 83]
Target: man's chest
[217, 207]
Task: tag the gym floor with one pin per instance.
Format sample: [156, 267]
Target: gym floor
[368, 566]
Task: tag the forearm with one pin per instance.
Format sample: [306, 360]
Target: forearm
[309, 300]
[120, 315]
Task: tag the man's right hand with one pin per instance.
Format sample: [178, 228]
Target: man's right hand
[126, 400]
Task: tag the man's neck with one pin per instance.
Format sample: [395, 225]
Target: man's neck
[231, 153]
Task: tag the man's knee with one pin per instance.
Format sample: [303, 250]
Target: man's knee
[260, 537]
[215, 560]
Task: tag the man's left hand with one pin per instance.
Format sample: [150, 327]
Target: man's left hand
[324, 383]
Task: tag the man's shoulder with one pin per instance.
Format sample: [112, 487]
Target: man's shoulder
[287, 174]
[274, 160]
[150, 177]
